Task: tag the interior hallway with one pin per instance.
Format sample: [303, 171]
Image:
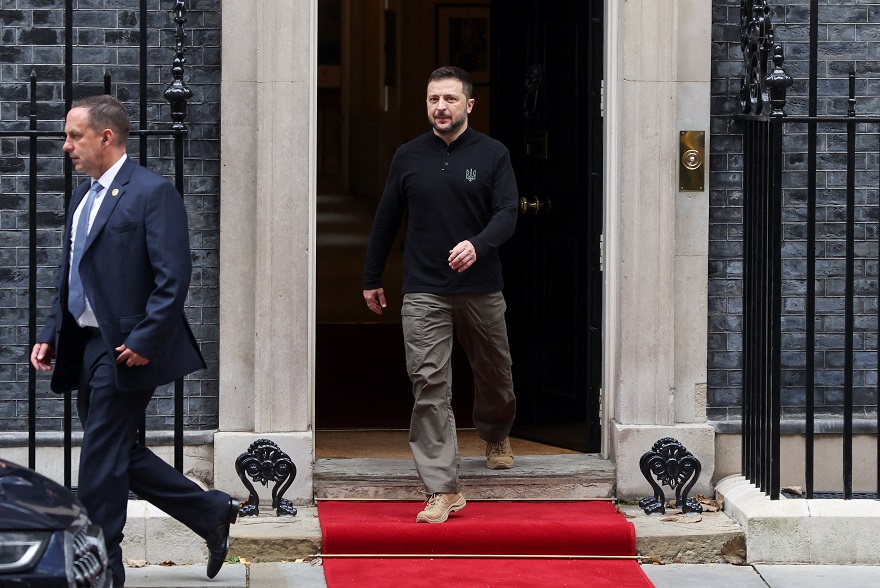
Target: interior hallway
[343, 230]
[360, 368]
[360, 374]
[363, 394]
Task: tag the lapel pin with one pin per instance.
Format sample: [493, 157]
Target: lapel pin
[115, 192]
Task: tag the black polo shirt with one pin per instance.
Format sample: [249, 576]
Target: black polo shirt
[462, 191]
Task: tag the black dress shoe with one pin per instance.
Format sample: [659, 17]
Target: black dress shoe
[218, 539]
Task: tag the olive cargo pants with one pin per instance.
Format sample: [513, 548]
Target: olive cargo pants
[480, 327]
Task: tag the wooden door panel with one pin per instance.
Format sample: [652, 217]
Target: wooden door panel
[545, 109]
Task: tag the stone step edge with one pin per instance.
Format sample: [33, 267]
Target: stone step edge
[153, 537]
[575, 490]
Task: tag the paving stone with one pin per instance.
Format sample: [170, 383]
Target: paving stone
[687, 539]
[274, 575]
[230, 576]
[813, 576]
[268, 538]
[716, 576]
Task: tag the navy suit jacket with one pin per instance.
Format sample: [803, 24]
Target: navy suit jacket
[135, 270]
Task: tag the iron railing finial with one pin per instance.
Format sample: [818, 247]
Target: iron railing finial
[778, 81]
[178, 93]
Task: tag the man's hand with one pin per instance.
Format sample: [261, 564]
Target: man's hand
[129, 357]
[462, 256]
[41, 356]
[375, 299]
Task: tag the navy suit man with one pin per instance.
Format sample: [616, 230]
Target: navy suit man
[117, 330]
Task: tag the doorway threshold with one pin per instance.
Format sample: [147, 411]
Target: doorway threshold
[394, 443]
[573, 476]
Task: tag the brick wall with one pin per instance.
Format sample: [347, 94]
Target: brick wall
[106, 38]
[849, 36]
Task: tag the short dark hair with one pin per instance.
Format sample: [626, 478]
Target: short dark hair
[450, 71]
[106, 112]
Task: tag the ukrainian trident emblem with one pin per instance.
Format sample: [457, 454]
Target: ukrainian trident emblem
[470, 175]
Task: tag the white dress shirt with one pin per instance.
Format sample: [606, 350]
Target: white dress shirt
[88, 316]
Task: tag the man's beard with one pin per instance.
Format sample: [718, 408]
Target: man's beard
[456, 124]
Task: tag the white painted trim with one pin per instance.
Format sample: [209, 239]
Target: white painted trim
[313, 207]
[611, 224]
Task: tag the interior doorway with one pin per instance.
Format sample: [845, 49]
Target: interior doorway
[374, 59]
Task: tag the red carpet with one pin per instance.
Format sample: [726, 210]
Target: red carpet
[491, 529]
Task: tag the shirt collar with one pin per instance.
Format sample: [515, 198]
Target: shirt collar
[463, 138]
[108, 176]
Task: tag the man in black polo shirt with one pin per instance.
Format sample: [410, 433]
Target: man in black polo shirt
[460, 191]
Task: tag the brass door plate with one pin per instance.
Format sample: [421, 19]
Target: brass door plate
[691, 161]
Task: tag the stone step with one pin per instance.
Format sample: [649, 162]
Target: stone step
[675, 538]
[661, 539]
[670, 538]
[572, 476]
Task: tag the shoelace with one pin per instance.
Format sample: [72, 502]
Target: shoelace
[496, 448]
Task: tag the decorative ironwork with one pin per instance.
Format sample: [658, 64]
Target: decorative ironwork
[48, 128]
[766, 271]
[264, 462]
[778, 82]
[762, 99]
[673, 466]
[534, 84]
[178, 93]
[757, 44]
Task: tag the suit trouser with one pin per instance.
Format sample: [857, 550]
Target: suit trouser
[112, 462]
[479, 325]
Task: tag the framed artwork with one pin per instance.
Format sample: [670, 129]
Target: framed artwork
[463, 39]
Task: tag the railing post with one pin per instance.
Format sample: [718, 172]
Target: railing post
[762, 181]
[32, 274]
[850, 290]
[763, 97]
[810, 306]
[178, 94]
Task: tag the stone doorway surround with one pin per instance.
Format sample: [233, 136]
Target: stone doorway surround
[657, 83]
[656, 243]
[267, 242]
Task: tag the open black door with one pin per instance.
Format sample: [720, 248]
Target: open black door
[546, 107]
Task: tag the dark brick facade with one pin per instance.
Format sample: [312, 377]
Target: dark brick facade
[849, 36]
[107, 39]
[107, 35]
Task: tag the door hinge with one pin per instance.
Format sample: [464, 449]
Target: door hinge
[602, 252]
[601, 403]
[602, 98]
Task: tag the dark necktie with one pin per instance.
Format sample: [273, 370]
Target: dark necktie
[76, 299]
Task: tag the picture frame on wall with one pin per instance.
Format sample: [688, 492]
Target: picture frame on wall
[463, 39]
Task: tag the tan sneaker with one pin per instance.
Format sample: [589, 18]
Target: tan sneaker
[438, 507]
[499, 455]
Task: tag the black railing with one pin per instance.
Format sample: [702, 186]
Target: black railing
[177, 94]
[774, 275]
